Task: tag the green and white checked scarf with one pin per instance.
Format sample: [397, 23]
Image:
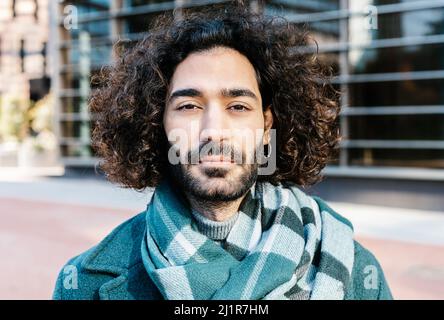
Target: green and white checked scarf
[284, 245]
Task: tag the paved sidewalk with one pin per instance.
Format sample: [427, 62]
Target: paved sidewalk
[47, 221]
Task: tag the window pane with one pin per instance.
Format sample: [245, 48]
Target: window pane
[69, 81]
[382, 2]
[136, 24]
[397, 157]
[74, 129]
[397, 59]
[396, 93]
[70, 104]
[322, 31]
[400, 24]
[136, 3]
[76, 150]
[100, 54]
[90, 6]
[95, 29]
[397, 127]
[304, 6]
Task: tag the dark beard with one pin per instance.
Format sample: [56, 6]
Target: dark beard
[192, 186]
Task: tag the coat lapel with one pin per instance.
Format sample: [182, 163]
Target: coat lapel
[119, 254]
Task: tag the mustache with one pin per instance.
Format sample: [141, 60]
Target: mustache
[213, 148]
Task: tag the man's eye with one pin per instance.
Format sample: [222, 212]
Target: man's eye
[238, 107]
[188, 107]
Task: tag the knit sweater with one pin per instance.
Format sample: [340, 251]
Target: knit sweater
[215, 230]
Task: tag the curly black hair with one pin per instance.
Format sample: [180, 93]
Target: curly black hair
[129, 101]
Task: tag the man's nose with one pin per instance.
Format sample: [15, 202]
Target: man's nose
[214, 124]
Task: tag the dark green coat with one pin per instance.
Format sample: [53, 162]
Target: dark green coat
[113, 269]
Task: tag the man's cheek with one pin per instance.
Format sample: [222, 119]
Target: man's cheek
[246, 146]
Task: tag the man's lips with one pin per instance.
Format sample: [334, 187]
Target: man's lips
[218, 159]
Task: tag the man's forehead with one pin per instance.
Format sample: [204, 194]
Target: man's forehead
[214, 70]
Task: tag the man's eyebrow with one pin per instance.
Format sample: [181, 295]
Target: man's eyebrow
[189, 92]
[238, 92]
[228, 93]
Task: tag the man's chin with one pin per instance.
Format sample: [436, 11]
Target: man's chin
[214, 172]
[215, 183]
[216, 189]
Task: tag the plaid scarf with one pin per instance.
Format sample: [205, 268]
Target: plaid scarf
[284, 245]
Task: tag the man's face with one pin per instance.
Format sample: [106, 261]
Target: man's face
[214, 102]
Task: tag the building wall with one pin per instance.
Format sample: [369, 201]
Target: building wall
[25, 66]
[24, 30]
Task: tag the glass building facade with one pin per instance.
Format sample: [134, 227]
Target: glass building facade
[387, 56]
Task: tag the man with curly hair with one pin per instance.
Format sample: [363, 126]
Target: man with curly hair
[226, 221]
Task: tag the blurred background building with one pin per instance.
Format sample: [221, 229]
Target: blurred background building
[26, 118]
[388, 56]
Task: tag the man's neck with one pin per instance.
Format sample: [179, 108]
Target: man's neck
[216, 211]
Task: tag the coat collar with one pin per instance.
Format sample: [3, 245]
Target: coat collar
[120, 249]
[119, 254]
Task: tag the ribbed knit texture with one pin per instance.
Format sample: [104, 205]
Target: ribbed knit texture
[215, 230]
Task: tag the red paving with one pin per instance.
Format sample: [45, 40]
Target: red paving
[413, 271]
[37, 238]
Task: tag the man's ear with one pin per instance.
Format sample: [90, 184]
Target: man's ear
[268, 123]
